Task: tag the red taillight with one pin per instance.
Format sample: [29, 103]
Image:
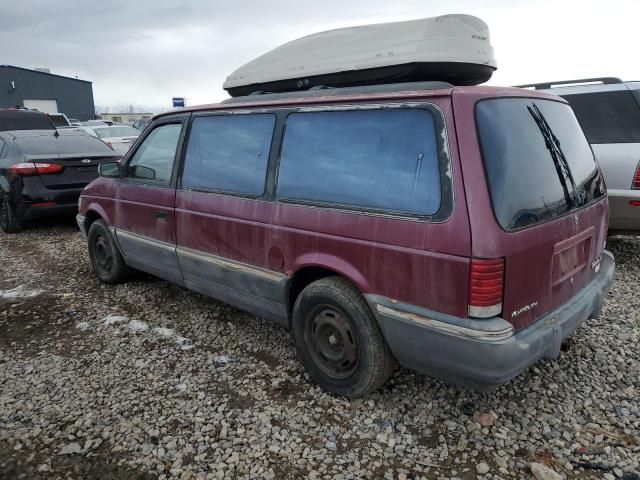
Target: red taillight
[636, 179]
[634, 203]
[28, 168]
[486, 286]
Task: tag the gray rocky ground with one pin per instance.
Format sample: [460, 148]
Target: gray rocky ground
[147, 380]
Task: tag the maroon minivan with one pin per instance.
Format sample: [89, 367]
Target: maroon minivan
[459, 231]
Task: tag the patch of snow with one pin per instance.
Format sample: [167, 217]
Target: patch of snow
[70, 449]
[222, 359]
[184, 343]
[84, 326]
[181, 387]
[136, 326]
[164, 332]
[113, 319]
[20, 292]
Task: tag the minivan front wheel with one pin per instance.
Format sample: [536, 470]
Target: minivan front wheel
[338, 339]
[8, 221]
[106, 261]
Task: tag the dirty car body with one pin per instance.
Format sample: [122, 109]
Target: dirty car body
[460, 286]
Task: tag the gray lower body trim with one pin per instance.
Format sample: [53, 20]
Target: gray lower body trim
[259, 291]
[152, 256]
[484, 353]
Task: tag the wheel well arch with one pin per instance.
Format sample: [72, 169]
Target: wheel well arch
[90, 217]
[305, 276]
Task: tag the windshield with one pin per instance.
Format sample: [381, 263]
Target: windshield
[607, 117]
[21, 120]
[107, 132]
[539, 164]
[62, 145]
[58, 120]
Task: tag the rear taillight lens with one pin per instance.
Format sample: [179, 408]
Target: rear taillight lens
[486, 287]
[636, 179]
[28, 168]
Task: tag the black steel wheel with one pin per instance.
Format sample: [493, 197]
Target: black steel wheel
[8, 221]
[338, 338]
[106, 259]
[332, 342]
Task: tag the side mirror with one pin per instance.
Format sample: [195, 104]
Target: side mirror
[109, 169]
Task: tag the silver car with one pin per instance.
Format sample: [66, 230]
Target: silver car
[118, 137]
[608, 110]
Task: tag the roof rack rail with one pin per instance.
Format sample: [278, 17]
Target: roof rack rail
[324, 91]
[545, 86]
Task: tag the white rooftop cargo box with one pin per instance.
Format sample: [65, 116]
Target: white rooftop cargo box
[449, 48]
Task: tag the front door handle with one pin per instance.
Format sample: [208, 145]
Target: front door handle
[161, 216]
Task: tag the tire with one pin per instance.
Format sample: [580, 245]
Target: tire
[106, 261]
[8, 221]
[338, 339]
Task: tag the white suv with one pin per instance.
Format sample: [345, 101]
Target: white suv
[608, 110]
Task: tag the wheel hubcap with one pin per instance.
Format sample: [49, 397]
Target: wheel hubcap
[332, 341]
[102, 251]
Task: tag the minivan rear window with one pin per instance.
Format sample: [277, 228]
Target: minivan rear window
[538, 162]
[383, 160]
[607, 117]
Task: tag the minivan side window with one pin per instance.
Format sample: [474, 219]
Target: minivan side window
[229, 153]
[607, 117]
[381, 160]
[154, 158]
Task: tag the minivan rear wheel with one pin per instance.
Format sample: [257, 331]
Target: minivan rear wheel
[106, 260]
[338, 339]
[8, 221]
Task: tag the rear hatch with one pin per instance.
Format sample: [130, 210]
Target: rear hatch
[544, 212]
[78, 154]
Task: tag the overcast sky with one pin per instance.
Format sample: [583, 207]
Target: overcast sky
[143, 52]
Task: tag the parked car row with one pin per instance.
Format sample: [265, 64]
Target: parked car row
[43, 171]
[117, 137]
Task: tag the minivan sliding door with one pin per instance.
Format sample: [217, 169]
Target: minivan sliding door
[223, 217]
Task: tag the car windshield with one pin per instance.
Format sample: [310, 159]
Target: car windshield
[539, 164]
[59, 120]
[62, 145]
[24, 120]
[108, 132]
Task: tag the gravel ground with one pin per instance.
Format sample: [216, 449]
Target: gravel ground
[148, 380]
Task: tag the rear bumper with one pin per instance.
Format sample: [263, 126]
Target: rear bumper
[624, 218]
[34, 200]
[484, 353]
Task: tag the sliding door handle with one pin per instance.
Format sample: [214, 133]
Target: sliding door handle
[161, 216]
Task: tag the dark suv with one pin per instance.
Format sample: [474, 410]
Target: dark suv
[373, 222]
[43, 171]
[18, 118]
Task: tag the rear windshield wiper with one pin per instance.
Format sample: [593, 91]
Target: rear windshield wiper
[559, 159]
